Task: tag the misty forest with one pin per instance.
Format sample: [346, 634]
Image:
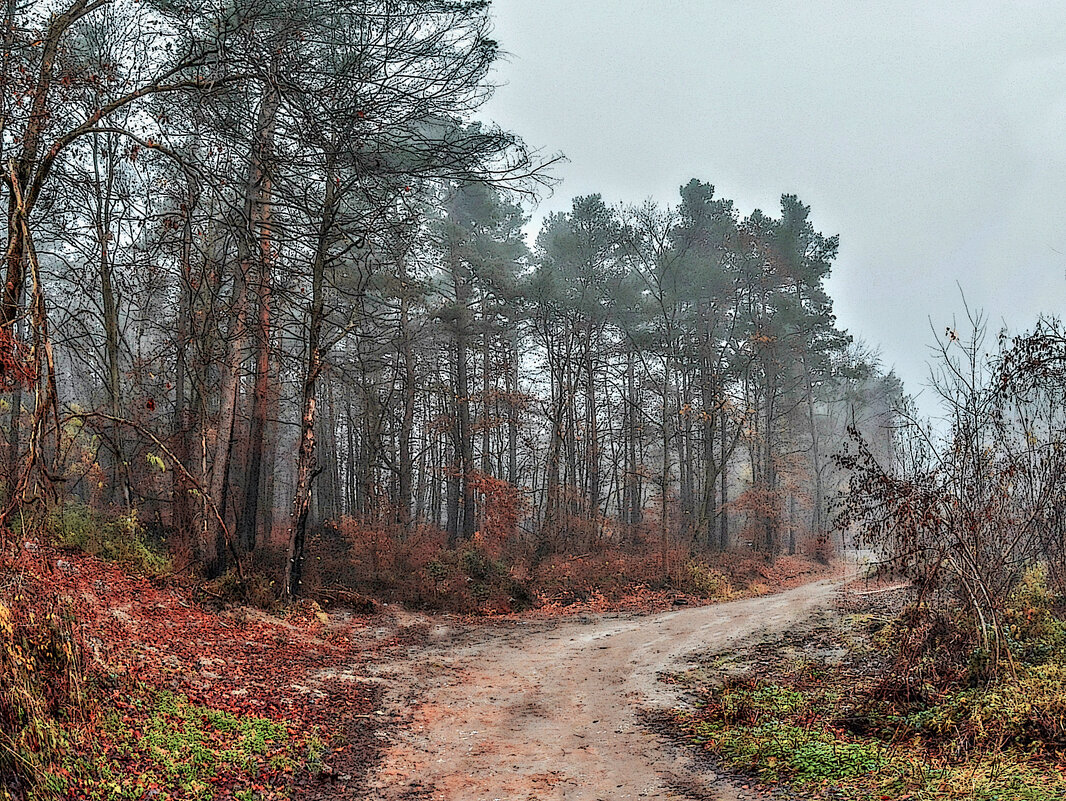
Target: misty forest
[340, 459]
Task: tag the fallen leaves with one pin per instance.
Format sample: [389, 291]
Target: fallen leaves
[146, 644]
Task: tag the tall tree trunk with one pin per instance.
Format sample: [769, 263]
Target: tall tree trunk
[465, 441]
[708, 511]
[634, 510]
[570, 479]
[305, 456]
[512, 413]
[723, 478]
[664, 490]
[592, 435]
[455, 460]
[184, 519]
[769, 464]
[103, 196]
[818, 505]
[791, 523]
[407, 422]
[14, 439]
[486, 390]
[463, 437]
[260, 222]
[552, 482]
[349, 463]
[688, 461]
[329, 437]
[237, 334]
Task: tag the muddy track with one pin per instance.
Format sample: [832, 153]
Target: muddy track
[525, 711]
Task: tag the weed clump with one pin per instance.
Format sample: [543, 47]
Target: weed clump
[705, 581]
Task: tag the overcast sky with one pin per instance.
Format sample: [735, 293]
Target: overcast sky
[930, 135]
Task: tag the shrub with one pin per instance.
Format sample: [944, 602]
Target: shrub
[256, 590]
[122, 539]
[1036, 633]
[41, 693]
[1029, 711]
[704, 580]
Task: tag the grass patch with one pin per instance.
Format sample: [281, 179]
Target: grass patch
[159, 744]
[778, 735]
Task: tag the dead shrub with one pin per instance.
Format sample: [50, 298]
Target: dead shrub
[42, 692]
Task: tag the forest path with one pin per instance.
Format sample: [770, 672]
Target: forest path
[524, 711]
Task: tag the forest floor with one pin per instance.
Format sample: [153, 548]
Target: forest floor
[548, 704]
[523, 709]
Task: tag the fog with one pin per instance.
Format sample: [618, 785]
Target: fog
[929, 136]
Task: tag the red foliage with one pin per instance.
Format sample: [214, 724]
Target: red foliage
[17, 366]
[502, 506]
[132, 630]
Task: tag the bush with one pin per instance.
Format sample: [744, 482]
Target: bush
[413, 567]
[1036, 633]
[122, 540]
[41, 694]
[704, 580]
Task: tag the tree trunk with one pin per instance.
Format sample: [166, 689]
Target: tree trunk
[634, 512]
[120, 484]
[708, 510]
[465, 441]
[723, 478]
[791, 524]
[305, 456]
[184, 520]
[407, 422]
[237, 333]
[512, 414]
[259, 224]
[463, 437]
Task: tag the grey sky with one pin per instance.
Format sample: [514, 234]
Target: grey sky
[931, 136]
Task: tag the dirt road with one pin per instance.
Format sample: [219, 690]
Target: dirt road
[550, 710]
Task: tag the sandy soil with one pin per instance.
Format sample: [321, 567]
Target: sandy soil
[551, 710]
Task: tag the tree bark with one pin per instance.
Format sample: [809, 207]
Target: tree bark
[305, 456]
[247, 529]
[407, 422]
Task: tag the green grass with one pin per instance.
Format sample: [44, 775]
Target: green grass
[778, 735]
[826, 733]
[773, 751]
[846, 730]
[162, 745]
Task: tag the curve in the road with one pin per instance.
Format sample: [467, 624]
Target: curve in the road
[550, 711]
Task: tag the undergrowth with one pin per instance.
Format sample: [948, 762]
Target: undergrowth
[419, 568]
[159, 744]
[882, 723]
[119, 539]
[42, 693]
[64, 734]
